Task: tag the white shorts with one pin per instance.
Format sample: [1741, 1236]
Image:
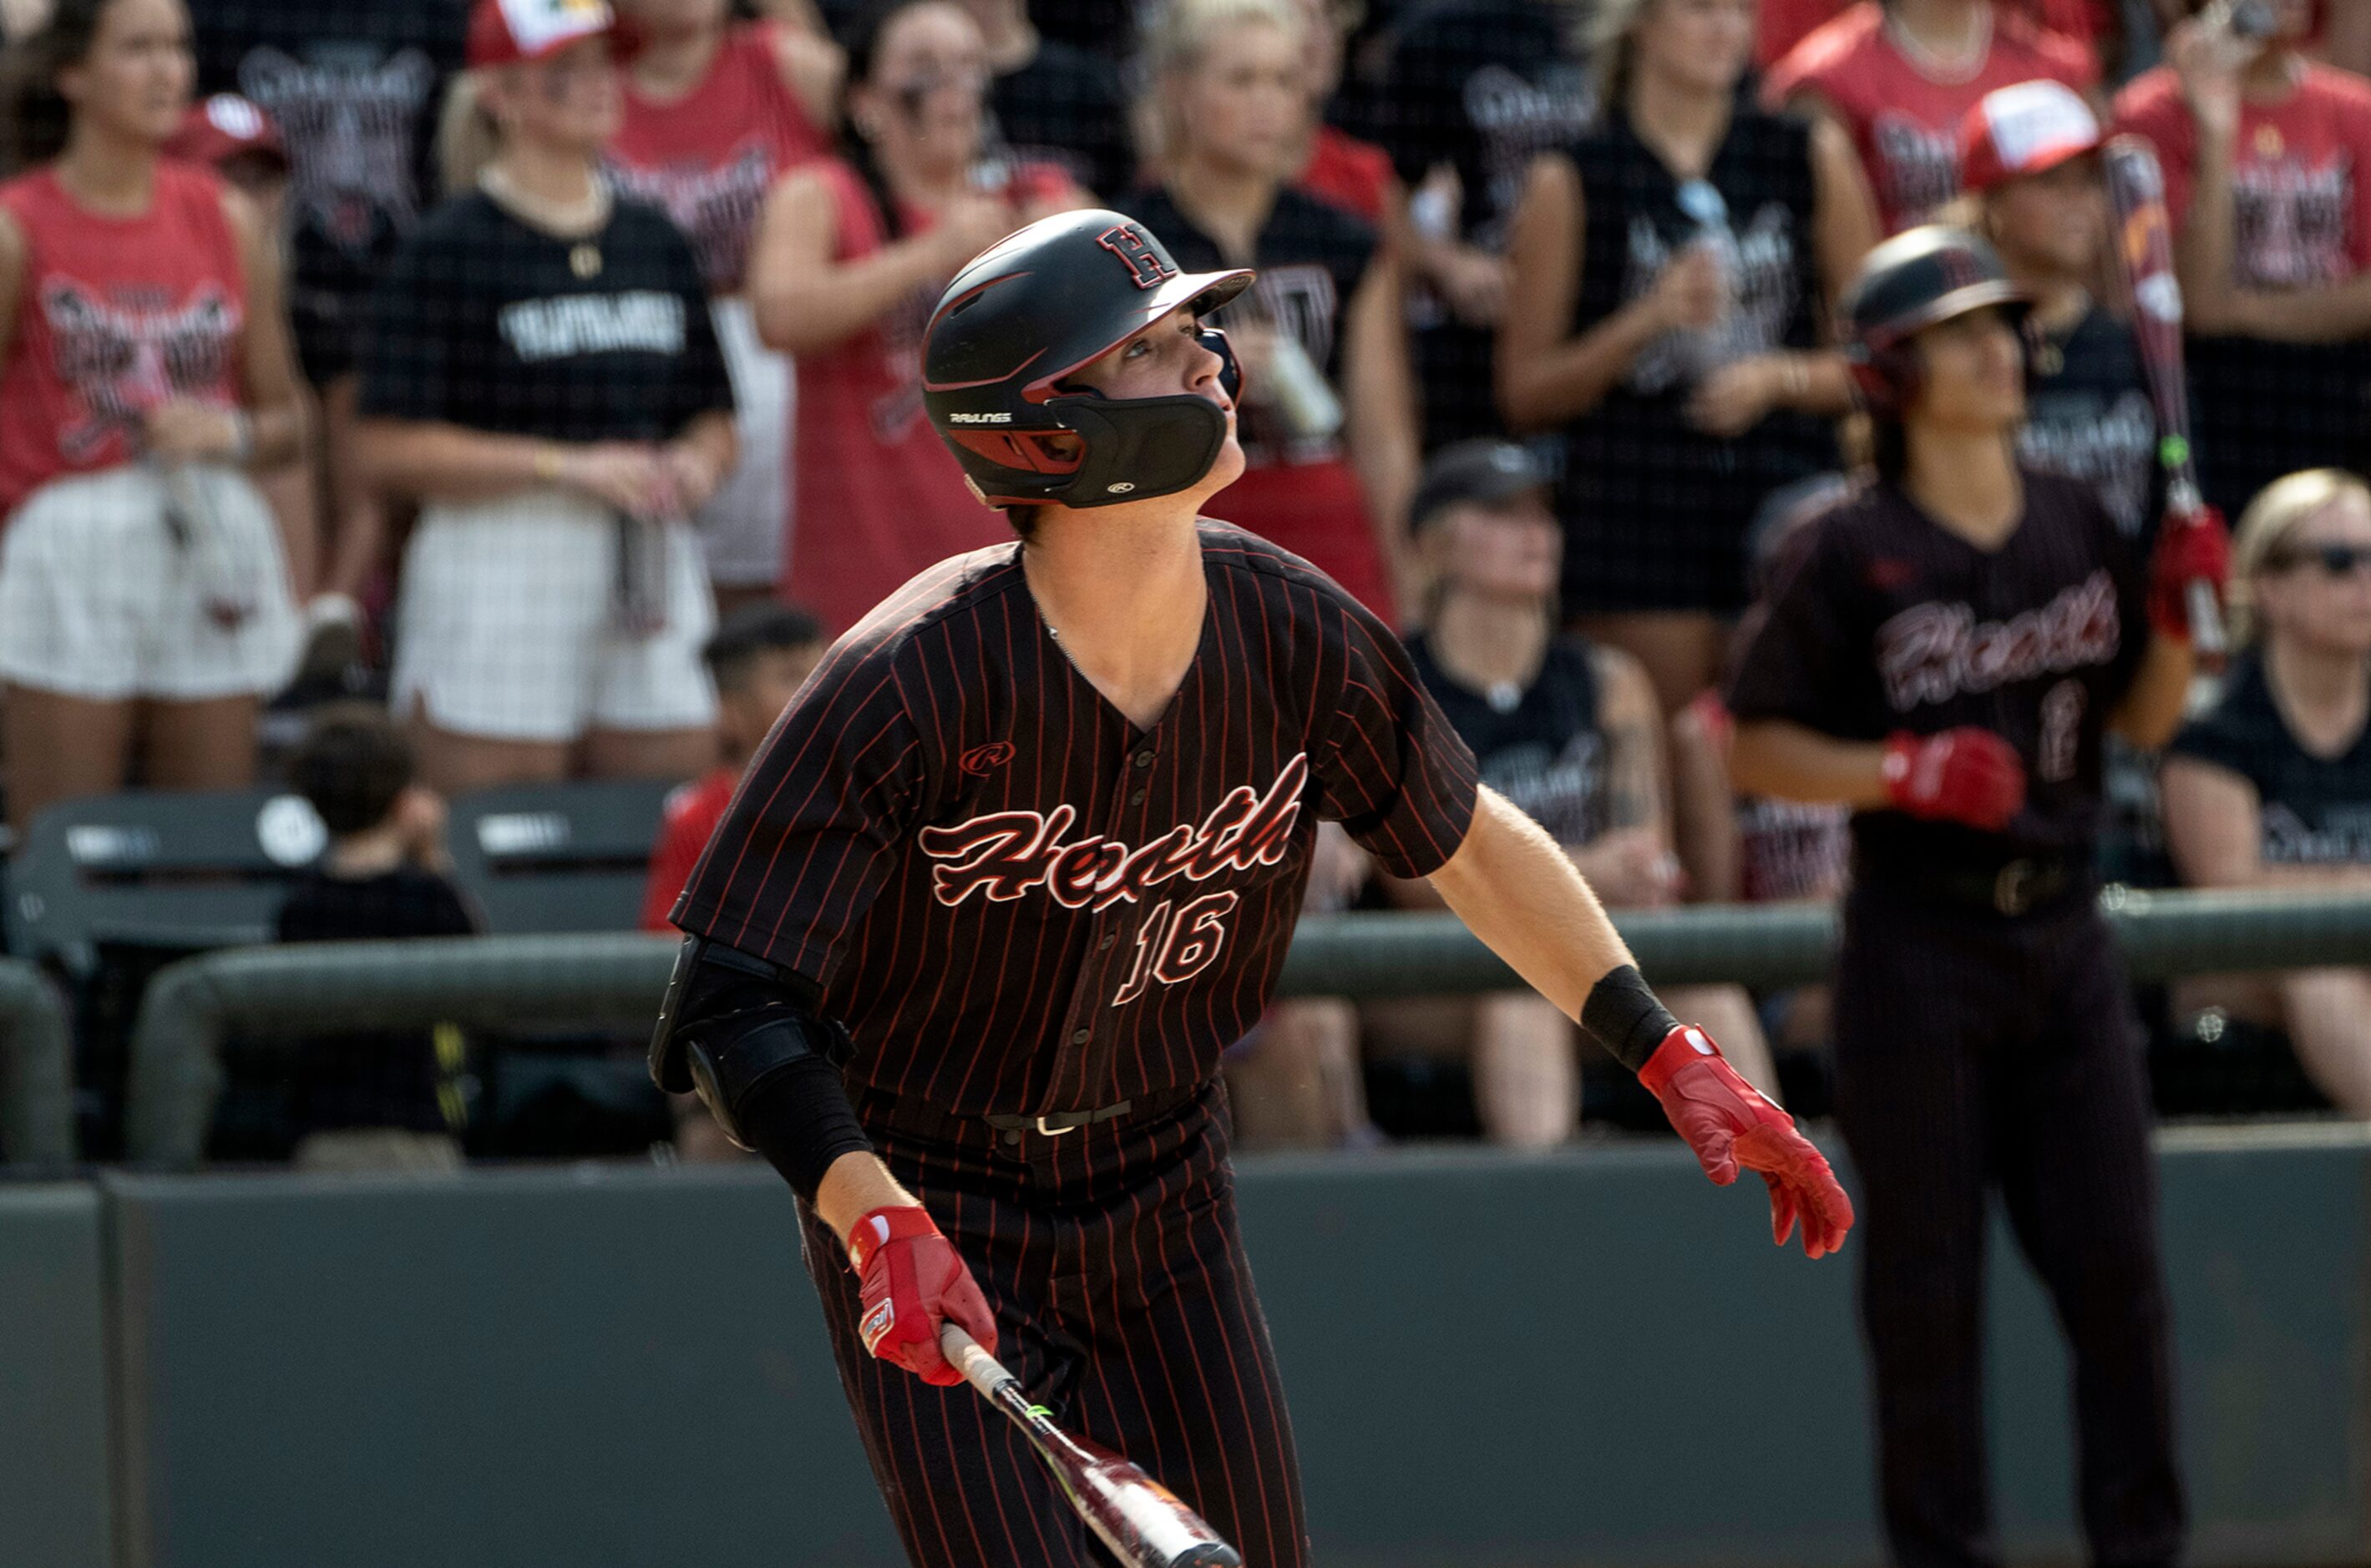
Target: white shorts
[745, 527]
[506, 626]
[121, 584]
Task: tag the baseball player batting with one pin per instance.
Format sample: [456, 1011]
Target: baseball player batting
[1943, 653]
[1023, 858]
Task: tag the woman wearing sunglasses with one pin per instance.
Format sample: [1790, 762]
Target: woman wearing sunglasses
[2272, 786]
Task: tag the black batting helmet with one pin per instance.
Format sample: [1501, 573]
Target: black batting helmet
[1919, 277]
[1035, 308]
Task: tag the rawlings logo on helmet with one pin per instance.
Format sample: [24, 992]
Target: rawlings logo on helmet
[1127, 242]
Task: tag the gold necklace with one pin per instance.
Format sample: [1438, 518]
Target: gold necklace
[580, 221]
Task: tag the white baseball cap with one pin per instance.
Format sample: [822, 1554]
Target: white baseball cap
[512, 32]
[2022, 129]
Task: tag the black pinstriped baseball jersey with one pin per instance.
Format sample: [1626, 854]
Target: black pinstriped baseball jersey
[1015, 900]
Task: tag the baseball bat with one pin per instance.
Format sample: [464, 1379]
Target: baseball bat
[2144, 254]
[1143, 1522]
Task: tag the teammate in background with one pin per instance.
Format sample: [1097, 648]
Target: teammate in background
[1898, 76]
[2271, 786]
[1329, 412]
[1669, 272]
[1945, 655]
[354, 86]
[542, 375]
[759, 657]
[2029, 154]
[145, 367]
[1022, 859]
[850, 254]
[1571, 734]
[717, 112]
[2265, 153]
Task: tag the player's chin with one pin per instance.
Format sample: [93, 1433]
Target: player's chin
[1231, 463]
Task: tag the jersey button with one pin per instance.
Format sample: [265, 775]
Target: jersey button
[1144, 759]
[1081, 1036]
[1137, 799]
[1110, 939]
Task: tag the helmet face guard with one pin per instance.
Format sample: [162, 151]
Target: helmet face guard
[1035, 310]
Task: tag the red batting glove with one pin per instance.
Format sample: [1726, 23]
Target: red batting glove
[913, 1281]
[1965, 775]
[2191, 547]
[1728, 1124]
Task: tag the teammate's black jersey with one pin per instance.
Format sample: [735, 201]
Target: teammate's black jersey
[355, 87]
[1546, 751]
[2089, 416]
[488, 324]
[1311, 257]
[2316, 810]
[1891, 622]
[1018, 902]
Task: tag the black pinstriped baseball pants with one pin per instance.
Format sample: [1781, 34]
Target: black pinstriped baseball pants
[1976, 1053]
[1123, 1302]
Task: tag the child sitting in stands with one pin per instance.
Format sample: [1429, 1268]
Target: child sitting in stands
[383, 1099]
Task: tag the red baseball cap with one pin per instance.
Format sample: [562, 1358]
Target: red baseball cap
[512, 32]
[223, 127]
[2026, 129]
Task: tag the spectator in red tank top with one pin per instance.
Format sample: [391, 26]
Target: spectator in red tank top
[1898, 75]
[2266, 155]
[1328, 416]
[145, 365]
[851, 254]
[717, 112]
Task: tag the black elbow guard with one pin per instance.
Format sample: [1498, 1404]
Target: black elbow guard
[734, 1027]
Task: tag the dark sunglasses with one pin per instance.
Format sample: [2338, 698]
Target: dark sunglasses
[2336, 560]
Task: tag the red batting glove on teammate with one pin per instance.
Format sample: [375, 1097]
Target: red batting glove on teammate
[1728, 1124]
[2193, 548]
[1966, 775]
[913, 1281]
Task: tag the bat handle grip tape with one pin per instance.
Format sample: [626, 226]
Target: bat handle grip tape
[982, 1370]
[2205, 621]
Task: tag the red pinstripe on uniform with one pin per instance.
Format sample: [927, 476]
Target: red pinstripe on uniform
[1109, 1254]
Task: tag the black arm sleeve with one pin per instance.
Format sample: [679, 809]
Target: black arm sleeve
[745, 1033]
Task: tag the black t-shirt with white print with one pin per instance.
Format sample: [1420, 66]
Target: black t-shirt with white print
[355, 87]
[488, 324]
[1888, 622]
[2316, 811]
[2089, 416]
[1545, 750]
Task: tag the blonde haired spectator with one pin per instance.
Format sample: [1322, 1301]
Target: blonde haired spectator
[542, 375]
[1327, 410]
[2271, 786]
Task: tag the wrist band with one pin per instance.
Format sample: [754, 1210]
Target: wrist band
[1622, 1015]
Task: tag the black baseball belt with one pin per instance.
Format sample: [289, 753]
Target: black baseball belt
[931, 1121]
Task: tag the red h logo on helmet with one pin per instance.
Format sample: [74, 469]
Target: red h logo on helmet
[1127, 242]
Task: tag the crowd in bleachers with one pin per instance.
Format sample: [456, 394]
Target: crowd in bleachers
[406, 399]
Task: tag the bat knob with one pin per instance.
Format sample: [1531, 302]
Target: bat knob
[1211, 1556]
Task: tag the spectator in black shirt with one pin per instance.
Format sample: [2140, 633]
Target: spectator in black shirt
[1567, 731]
[1328, 421]
[385, 1097]
[2271, 786]
[543, 374]
[1472, 91]
[1054, 103]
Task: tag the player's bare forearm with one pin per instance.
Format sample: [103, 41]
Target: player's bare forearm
[1792, 762]
[2151, 710]
[2336, 314]
[1516, 890]
[432, 461]
[856, 1184]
